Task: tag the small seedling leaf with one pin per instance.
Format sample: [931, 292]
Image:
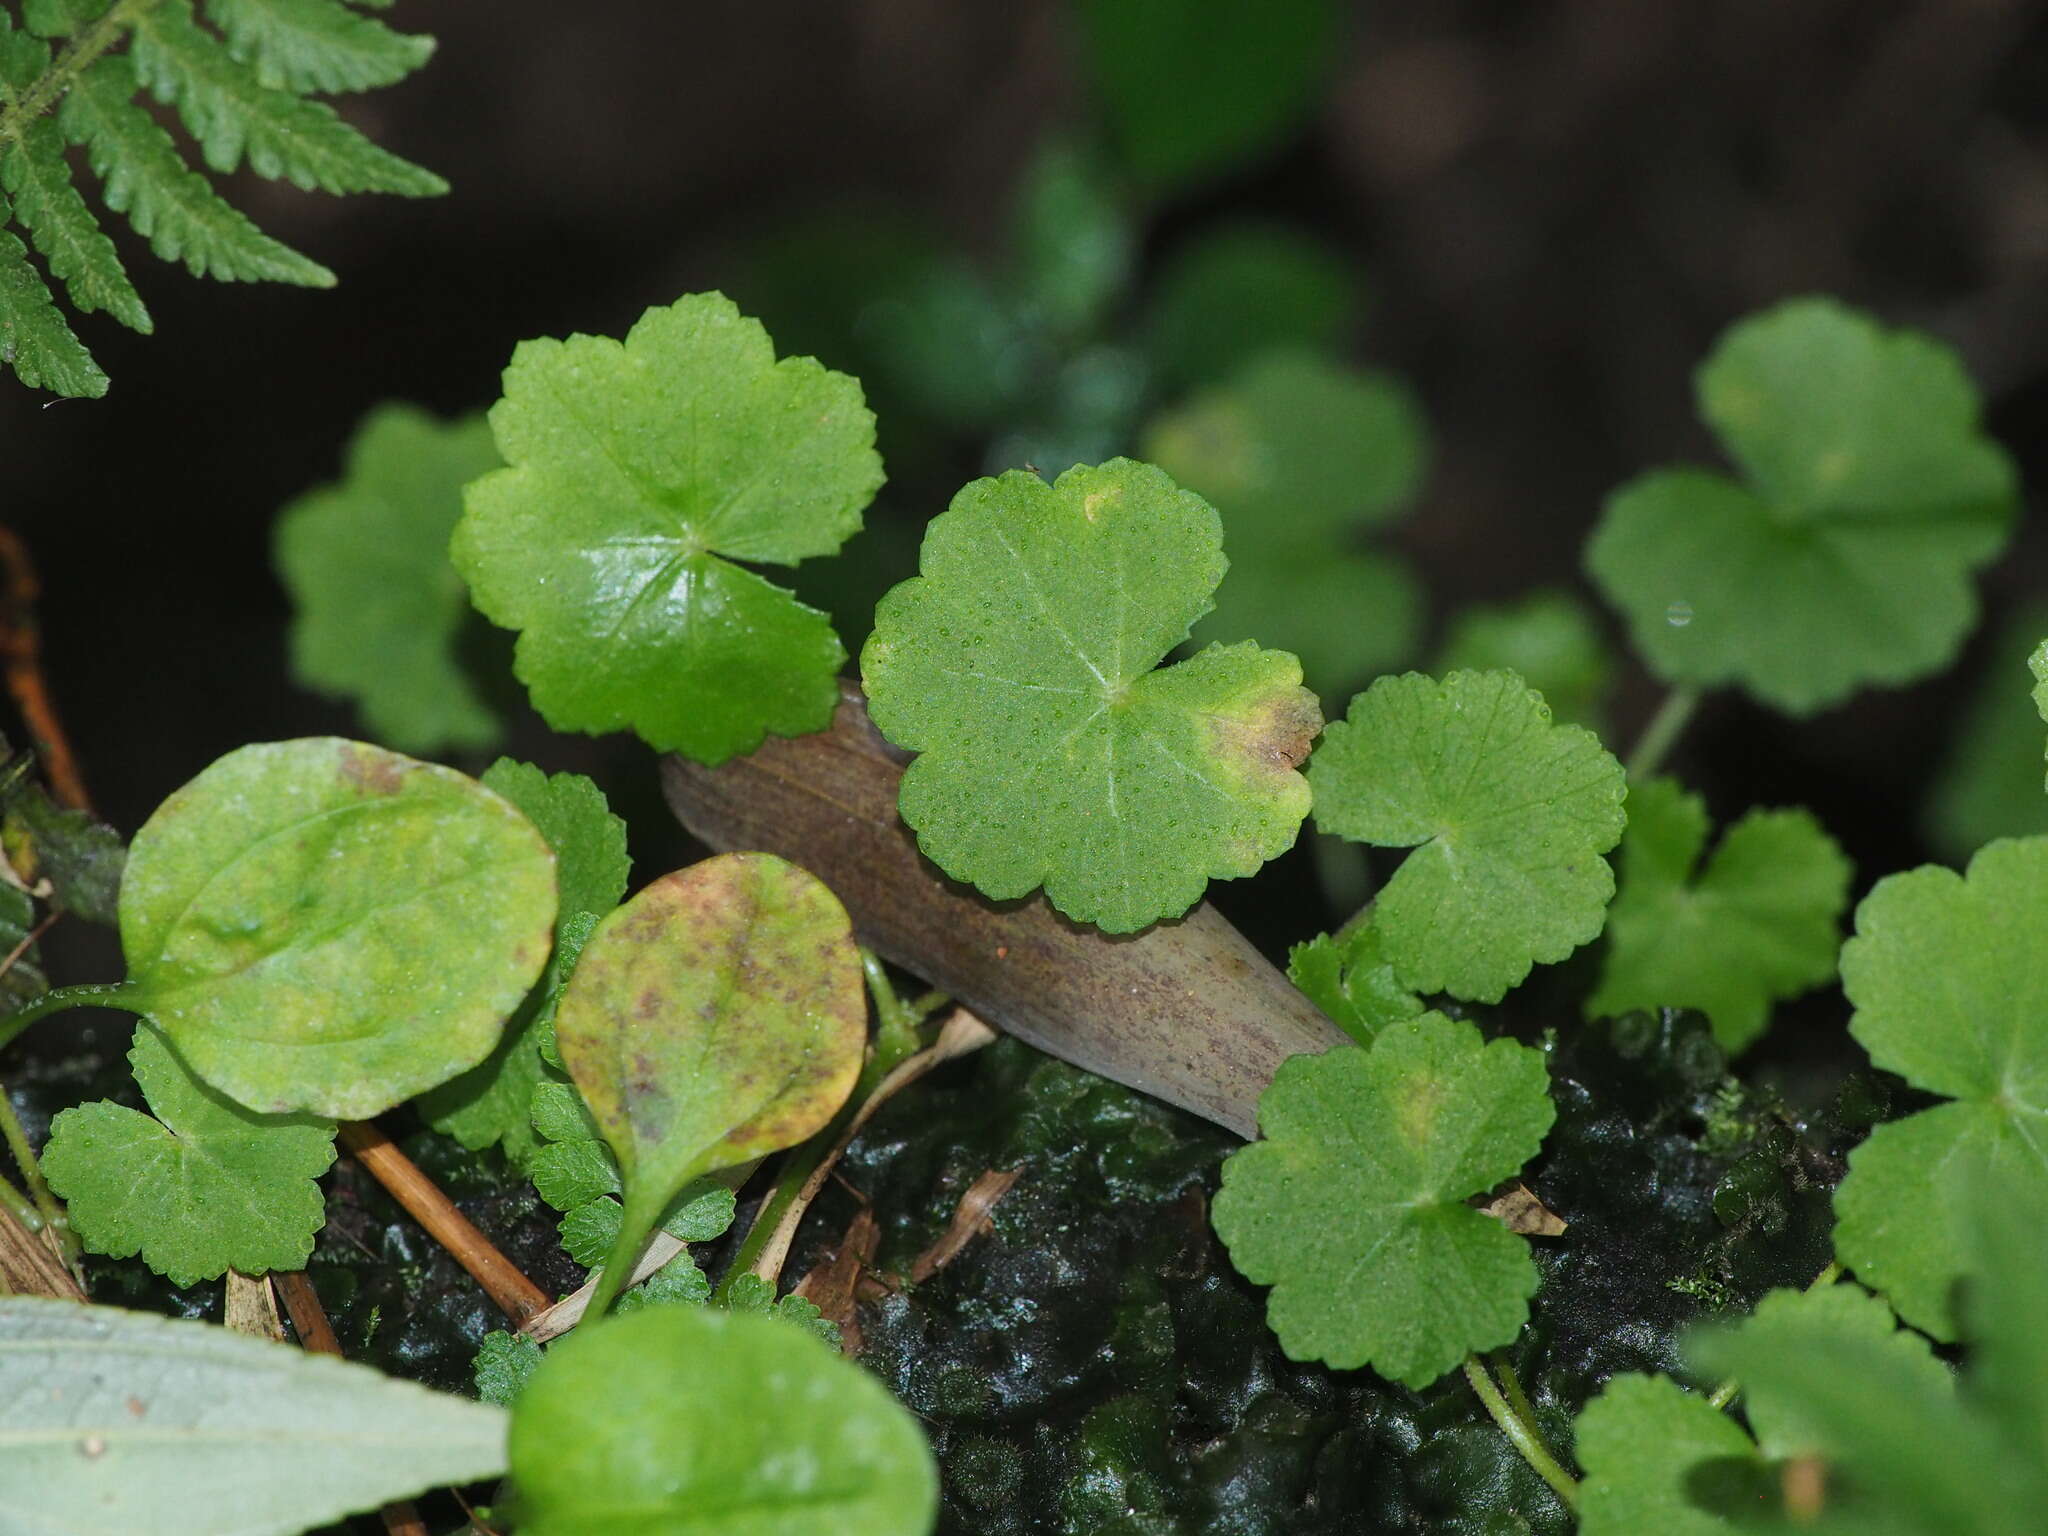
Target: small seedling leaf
[1508, 815]
[1023, 665]
[1759, 922]
[639, 472]
[1352, 1206]
[197, 1186]
[1844, 557]
[1946, 976]
[323, 925]
[687, 1419]
[717, 1016]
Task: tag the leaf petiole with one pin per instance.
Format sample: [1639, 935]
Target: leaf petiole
[1662, 733]
[97, 994]
[1522, 1436]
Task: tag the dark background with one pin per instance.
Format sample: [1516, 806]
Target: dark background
[1552, 208]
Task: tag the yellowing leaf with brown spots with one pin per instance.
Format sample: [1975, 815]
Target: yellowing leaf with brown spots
[1352, 1206]
[717, 1016]
[1023, 666]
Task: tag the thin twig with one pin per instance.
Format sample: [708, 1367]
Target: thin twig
[30, 1264]
[16, 1136]
[21, 654]
[29, 941]
[516, 1296]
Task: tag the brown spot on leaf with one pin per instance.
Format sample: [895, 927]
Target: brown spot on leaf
[371, 770]
[1272, 736]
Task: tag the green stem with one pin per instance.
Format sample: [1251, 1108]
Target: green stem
[19, 1205]
[16, 1136]
[1522, 1436]
[97, 994]
[79, 55]
[636, 1226]
[790, 1179]
[1663, 731]
[1511, 1385]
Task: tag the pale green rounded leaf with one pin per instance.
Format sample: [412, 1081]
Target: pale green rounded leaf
[1845, 559]
[1758, 923]
[1638, 1442]
[1508, 815]
[1300, 455]
[1352, 1207]
[116, 1421]
[328, 926]
[687, 1421]
[639, 471]
[1023, 666]
[377, 604]
[1946, 974]
[197, 1186]
[717, 1016]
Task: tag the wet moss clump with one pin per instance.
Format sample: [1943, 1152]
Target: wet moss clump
[1093, 1364]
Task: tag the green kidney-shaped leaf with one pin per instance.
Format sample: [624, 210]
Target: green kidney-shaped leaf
[1872, 493]
[1946, 974]
[199, 1185]
[639, 472]
[717, 1016]
[1352, 1207]
[1508, 815]
[1760, 921]
[688, 1421]
[328, 926]
[1023, 666]
[123, 1421]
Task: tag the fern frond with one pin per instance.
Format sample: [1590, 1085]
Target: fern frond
[316, 45]
[171, 206]
[241, 93]
[34, 340]
[34, 173]
[232, 113]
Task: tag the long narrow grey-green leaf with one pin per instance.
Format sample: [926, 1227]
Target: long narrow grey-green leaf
[233, 114]
[171, 206]
[34, 340]
[123, 1421]
[34, 174]
[316, 45]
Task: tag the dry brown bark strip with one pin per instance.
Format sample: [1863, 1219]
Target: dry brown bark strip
[515, 1295]
[970, 1220]
[250, 1307]
[1186, 1011]
[834, 1286]
[30, 1265]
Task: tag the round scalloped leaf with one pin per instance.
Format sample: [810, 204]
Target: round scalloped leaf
[323, 925]
[1348, 977]
[1639, 1442]
[1551, 639]
[639, 471]
[1845, 559]
[1353, 1209]
[1023, 666]
[717, 1016]
[1760, 922]
[1508, 815]
[197, 1186]
[1950, 991]
[696, 1420]
[377, 605]
[1299, 455]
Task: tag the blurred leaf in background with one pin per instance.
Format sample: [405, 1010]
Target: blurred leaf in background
[1989, 782]
[1242, 288]
[1551, 638]
[1197, 88]
[1300, 456]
